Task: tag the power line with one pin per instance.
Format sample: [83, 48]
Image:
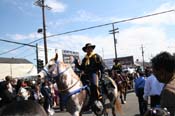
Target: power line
[121, 21]
[83, 29]
[18, 47]
[16, 42]
[23, 52]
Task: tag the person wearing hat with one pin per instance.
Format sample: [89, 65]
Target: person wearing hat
[91, 65]
[117, 66]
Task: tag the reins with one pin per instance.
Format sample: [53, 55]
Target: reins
[62, 90]
[61, 73]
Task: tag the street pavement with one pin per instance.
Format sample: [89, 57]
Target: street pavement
[131, 108]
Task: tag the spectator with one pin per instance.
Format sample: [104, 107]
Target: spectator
[23, 93]
[73, 65]
[38, 96]
[6, 96]
[53, 94]
[9, 80]
[139, 90]
[153, 89]
[48, 101]
[23, 108]
[164, 69]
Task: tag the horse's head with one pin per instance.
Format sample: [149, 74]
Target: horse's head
[62, 73]
[50, 69]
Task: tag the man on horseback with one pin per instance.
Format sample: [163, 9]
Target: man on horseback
[117, 66]
[92, 65]
[74, 94]
[117, 70]
[120, 79]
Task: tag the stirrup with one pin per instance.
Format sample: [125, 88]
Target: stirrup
[99, 104]
[98, 107]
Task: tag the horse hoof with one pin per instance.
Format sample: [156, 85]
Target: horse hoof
[124, 102]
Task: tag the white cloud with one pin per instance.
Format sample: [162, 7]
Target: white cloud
[25, 6]
[19, 37]
[56, 6]
[153, 39]
[85, 16]
[82, 16]
[166, 18]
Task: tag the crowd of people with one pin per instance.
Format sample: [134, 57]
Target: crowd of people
[155, 84]
[43, 92]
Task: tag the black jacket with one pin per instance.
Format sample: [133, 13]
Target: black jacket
[95, 64]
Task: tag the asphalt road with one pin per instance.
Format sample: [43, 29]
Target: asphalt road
[131, 108]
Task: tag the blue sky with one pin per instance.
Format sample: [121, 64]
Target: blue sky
[20, 19]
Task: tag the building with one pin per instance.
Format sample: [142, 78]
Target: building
[127, 61]
[16, 67]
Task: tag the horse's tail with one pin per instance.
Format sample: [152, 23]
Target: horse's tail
[117, 104]
[118, 107]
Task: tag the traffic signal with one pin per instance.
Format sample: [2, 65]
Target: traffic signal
[40, 65]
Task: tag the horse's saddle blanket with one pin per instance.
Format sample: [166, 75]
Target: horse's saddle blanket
[108, 81]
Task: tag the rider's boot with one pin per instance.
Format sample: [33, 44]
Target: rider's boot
[99, 103]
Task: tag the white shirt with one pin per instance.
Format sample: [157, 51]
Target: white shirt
[24, 93]
[152, 87]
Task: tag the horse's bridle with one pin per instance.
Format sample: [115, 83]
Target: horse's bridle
[60, 74]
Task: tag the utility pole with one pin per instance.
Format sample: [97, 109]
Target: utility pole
[103, 53]
[114, 31]
[143, 56]
[37, 57]
[41, 3]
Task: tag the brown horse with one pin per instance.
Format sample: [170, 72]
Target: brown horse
[122, 84]
[71, 88]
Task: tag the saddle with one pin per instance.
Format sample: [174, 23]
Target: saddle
[105, 84]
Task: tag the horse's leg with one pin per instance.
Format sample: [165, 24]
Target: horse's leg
[116, 106]
[112, 100]
[125, 93]
[76, 113]
[80, 114]
[125, 97]
[113, 111]
[121, 97]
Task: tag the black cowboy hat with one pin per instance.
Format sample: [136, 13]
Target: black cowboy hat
[88, 45]
[115, 60]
